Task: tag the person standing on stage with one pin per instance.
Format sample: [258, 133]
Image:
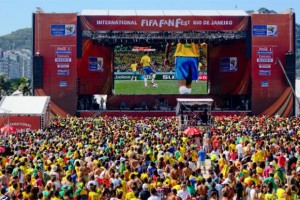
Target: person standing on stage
[148, 69]
[186, 64]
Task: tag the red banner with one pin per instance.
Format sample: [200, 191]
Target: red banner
[165, 23]
[21, 122]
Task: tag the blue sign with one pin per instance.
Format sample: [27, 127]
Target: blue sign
[264, 72]
[265, 84]
[63, 84]
[228, 64]
[63, 52]
[264, 30]
[95, 64]
[63, 30]
[63, 72]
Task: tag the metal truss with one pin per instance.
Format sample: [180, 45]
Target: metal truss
[117, 37]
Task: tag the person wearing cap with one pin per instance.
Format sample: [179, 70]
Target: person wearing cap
[145, 193]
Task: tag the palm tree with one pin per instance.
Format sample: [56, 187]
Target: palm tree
[25, 86]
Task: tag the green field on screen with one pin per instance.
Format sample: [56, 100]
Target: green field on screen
[164, 87]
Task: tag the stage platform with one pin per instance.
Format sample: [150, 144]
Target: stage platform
[154, 113]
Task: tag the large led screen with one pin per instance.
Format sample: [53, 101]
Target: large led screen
[129, 72]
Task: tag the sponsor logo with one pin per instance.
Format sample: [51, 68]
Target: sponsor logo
[96, 64]
[264, 60]
[168, 77]
[264, 30]
[264, 72]
[63, 72]
[63, 59]
[122, 77]
[63, 66]
[63, 84]
[264, 66]
[63, 30]
[264, 84]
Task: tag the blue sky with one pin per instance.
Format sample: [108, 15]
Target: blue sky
[17, 14]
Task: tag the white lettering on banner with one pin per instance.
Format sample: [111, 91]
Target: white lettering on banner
[264, 60]
[64, 66]
[168, 77]
[63, 59]
[222, 22]
[116, 22]
[20, 124]
[213, 22]
[163, 22]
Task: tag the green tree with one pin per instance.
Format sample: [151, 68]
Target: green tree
[23, 85]
[5, 85]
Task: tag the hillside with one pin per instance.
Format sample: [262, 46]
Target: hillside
[19, 39]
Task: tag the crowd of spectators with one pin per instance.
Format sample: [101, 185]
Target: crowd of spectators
[124, 57]
[114, 158]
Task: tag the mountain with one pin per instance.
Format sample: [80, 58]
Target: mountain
[19, 39]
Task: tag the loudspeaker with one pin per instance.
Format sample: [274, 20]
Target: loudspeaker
[290, 68]
[37, 72]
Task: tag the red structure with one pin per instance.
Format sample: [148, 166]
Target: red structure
[64, 44]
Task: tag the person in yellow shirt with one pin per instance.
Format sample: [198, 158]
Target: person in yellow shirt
[280, 193]
[148, 69]
[186, 64]
[133, 68]
[93, 194]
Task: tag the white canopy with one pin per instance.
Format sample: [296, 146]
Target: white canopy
[163, 13]
[24, 105]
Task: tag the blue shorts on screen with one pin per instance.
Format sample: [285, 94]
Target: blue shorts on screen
[184, 65]
[148, 70]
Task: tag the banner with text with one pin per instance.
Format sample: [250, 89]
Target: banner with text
[164, 23]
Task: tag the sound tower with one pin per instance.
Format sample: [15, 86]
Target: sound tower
[290, 68]
[37, 72]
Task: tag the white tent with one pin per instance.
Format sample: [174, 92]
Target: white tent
[25, 111]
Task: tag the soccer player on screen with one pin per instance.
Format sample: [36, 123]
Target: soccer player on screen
[148, 69]
[186, 64]
[133, 69]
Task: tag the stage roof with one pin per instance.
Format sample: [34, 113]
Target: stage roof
[24, 105]
[163, 13]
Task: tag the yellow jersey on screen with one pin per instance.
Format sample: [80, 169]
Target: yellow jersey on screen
[187, 50]
[145, 61]
[133, 67]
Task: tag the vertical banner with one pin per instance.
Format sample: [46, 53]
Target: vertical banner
[56, 39]
[272, 38]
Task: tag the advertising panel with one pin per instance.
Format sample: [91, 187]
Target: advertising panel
[63, 29]
[268, 33]
[228, 64]
[56, 40]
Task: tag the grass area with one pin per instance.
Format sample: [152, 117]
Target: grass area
[164, 87]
